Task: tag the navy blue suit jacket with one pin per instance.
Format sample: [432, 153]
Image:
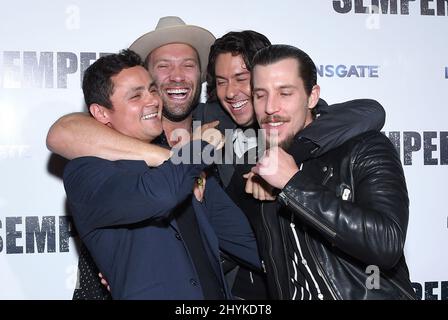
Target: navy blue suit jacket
[121, 210]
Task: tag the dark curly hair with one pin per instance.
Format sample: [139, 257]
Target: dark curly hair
[245, 43]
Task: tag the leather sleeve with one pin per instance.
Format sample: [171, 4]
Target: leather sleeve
[340, 122]
[372, 227]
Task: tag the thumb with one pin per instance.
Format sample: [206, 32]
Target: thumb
[247, 175]
[255, 169]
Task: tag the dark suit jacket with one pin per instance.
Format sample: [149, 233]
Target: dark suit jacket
[121, 210]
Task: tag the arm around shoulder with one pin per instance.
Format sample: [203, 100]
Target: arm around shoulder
[79, 135]
[343, 121]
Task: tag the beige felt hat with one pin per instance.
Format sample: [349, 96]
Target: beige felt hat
[173, 29]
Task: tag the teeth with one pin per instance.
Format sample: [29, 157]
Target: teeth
[177, 91]
[275, 124]
[239, 104]
[149, 116]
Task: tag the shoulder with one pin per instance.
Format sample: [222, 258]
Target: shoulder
[208, 112]
[83, 162]
[370, 145]
[370, 137]
[83, 166]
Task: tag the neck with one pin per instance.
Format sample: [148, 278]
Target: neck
[181, 128]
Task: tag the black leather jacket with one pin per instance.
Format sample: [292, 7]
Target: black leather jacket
[353, 201]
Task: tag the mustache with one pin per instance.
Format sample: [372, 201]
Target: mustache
[275, 118]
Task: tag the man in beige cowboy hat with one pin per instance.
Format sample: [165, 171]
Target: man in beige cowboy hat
[176, 56]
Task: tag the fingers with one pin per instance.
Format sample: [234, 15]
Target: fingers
[103, 281]
[256, 186]
[255, 169]
[248, 175]
[256, 191]
[199, 186]
[212, 124]
[200, 129]
[249, 186]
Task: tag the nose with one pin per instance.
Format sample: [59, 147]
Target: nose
[272, 105]
[177, 74]
[152, 100]
[230, 91]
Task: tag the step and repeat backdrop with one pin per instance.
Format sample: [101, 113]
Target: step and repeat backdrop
[393, 51]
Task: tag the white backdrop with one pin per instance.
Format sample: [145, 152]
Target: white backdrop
[399, 57]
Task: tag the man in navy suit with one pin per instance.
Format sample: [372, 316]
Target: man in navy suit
[127, 213]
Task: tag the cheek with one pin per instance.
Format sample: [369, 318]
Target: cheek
[258, 115]
[193, 76]
[159, 76]
[220, 92]
[245, 89]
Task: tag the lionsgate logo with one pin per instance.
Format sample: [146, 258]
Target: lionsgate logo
[234, 147]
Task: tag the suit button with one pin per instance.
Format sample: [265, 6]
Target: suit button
[178, 237]
[193, 282]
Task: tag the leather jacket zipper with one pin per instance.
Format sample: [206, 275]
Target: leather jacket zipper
[318, 266]
[269, 241]
[328, 176]
[290, 202]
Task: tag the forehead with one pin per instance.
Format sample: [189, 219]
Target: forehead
[229, 60]
[280, 73]
[131, 77]
[174, 51]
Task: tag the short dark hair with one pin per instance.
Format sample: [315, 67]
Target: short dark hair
[245, 43]
[275, 53]
[97, 85]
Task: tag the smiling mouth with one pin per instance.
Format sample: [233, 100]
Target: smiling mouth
[239, 105]
[275, 124]
[149, 116]
[177, 94]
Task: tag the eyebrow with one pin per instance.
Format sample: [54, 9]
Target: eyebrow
[235, 75]
[287, 86]
[139, 88]
[183, 60]
[242, 73]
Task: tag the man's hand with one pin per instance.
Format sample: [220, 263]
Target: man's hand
[104, 281]
[199, 187]
[210, 134]
[276, 167]
[259, 188]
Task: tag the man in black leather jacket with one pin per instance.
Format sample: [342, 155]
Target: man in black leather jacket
[339, 226]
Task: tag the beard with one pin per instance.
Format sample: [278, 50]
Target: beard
[179, 112]
[285, 144]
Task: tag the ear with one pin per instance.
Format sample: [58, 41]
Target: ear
[100, 113]
[314, 96]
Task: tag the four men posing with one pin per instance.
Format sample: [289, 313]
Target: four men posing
[341, 200]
